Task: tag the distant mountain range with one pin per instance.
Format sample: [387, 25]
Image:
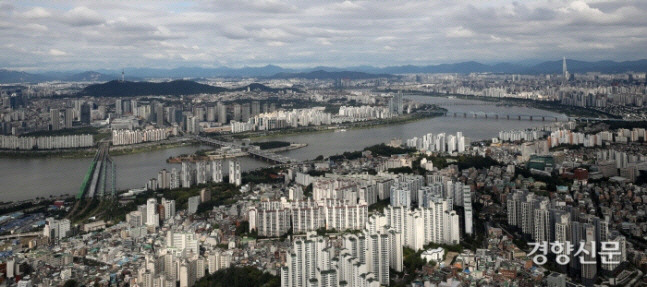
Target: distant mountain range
[175, 88]
[322, 72]
[326, 75]
[8, 76]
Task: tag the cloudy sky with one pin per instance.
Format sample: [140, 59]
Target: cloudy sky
[58, 35]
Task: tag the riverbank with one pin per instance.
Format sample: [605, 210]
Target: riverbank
[551, 106]
[133, 149]
[347, 126]
[90, 152]
[61, 153]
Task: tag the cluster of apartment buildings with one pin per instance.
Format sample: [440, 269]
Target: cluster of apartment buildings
[315, 116]
[46, 142]
[195, 173]
[363, 113]
[127, 137]
[441, 142]
[545, 220]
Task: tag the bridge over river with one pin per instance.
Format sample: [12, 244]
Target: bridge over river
[257, 153]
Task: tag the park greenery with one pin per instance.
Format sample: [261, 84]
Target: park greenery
[239, 277]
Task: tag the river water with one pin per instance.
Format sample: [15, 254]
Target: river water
[41, 177]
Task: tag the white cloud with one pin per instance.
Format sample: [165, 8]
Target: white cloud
[82, 16]
[56, 52]
[36, 13]
[459, 32]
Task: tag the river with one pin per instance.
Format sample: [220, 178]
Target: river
[331, 143]
[41, 177]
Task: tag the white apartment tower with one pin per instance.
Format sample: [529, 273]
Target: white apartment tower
[234, 172]
[152, 217]
[467, 206]
[216, 171]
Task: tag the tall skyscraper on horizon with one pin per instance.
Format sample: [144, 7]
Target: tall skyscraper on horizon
[564, 70]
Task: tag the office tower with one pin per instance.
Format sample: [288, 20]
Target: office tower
[234, 172]
[55, 118]
[467, 207]
[222, 113]
[118, 107]
[169, 208]
[237, 112]
[152, 217]
[216, 171]
[86, 113]
[256, 108]
[194, 201]
[159, 115]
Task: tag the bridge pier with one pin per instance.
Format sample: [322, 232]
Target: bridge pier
[530, 118]
[543, 119]
[496, 116]
[465, 115]
[519, 117]
[508, 117]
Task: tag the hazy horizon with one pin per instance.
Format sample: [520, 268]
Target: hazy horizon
[88, 35]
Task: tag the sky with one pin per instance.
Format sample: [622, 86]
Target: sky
[84, 35]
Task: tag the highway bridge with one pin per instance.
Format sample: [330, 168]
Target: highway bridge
[496, 116]
[100, 179]
[257, 153]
